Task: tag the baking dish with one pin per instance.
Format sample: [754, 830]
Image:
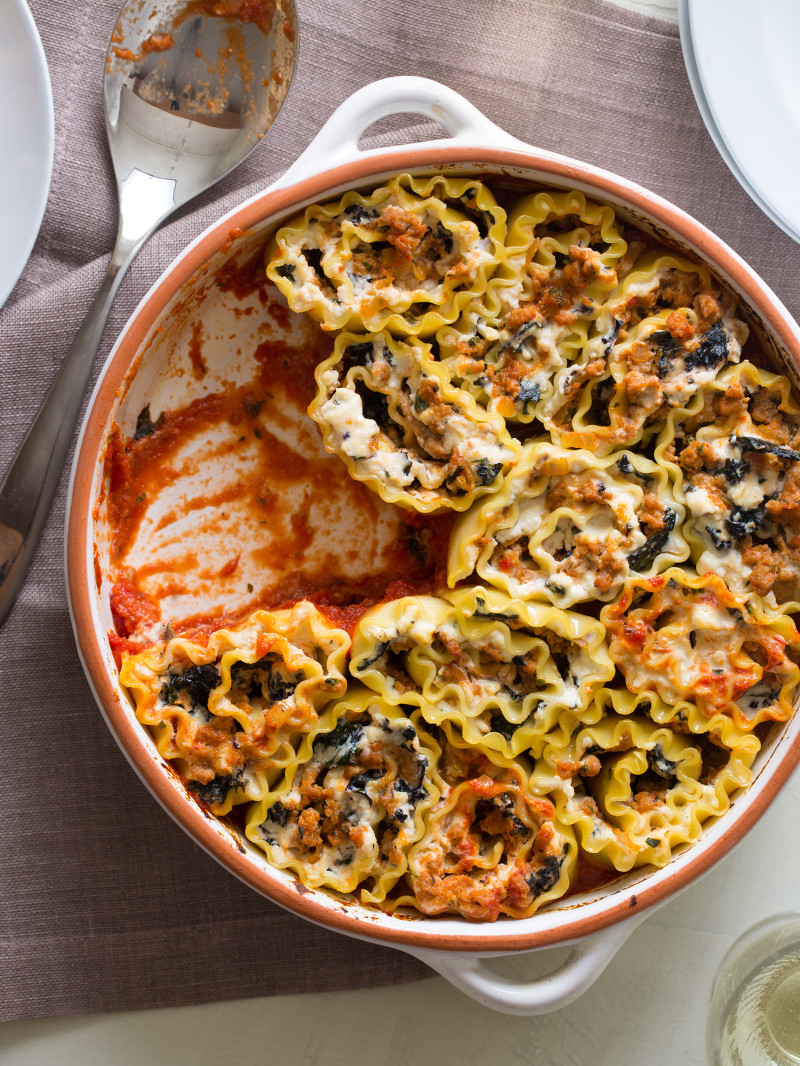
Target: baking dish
[593, 923]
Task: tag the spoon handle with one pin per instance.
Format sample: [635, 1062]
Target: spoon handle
[31, 481]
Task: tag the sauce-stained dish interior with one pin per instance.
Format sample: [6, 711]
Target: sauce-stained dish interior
[528, 498]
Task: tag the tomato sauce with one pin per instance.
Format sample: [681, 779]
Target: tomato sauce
[590, 876]
[272, 530]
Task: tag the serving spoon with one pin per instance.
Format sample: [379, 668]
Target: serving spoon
[190, 89]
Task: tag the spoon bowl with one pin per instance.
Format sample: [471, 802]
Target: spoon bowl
[189, 94]
[190, 89]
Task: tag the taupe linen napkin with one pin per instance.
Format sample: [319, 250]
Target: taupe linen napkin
[104, 903]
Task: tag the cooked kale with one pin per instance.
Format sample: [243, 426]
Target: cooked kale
[610, 337]
[669, 347]
[361, 354]
[486, 472]
[357, 214]
[416, 792]
[285, 270]
[660, 764]
[744, 523]
[281, 688]
[513, 693]
[380, 650]
[314, 259]
[445, 236]
[215, 791]
[529, 392]
[665, 341]
[277, 814]
[720, 543]
[758, 698]
[644, 557]
[713, 350]
[345, 742]
[504, 805]
[524, 331]
[735, 469]
[501, 725]
[475, 214]
[543, 879]
[375, 406]
[625, 466]
[360, 781]
[756, 444]
[197, 682]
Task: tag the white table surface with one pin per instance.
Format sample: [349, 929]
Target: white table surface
[649, 1006]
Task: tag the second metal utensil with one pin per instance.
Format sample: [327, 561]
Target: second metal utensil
[188, 94]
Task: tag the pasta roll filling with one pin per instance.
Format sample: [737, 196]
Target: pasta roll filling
[389, 411]
[623, 387]
[491, 846]
[739, 457]
[568, 527]
[635, 790]
[691, 639]
[349, 814]
[505, 679]
[406, 257]
[231, 714]
[561, 260]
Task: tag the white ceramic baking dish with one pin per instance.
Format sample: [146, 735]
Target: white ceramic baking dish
[143, 367]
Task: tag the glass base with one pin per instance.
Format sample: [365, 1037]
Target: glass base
[754, 1019]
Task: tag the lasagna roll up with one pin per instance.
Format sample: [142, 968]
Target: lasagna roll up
[508, 345]
[407, 257]
[634, 370]
[663, 362]
[491, 846]
[230, 715]
[634, 790]
[503, 670]
[346, 816]
[569, 527]
[389, 411]
[703, 649]
[736, 456]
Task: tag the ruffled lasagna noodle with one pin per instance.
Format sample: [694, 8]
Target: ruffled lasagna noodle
[347, 815]
[491, 846]
[634, 791]
[407, 257]
[389, 411]
[736, 453]
[568, 527]
[503, 670]
[508, 344]
[231, 714]
[703, 649]
[634, 370]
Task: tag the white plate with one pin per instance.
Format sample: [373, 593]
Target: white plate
[26, 139]
[741, 58]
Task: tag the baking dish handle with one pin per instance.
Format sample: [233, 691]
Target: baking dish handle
[587, 960]
[337, 141]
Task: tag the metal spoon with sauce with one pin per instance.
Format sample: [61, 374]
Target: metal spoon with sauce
[189, 91]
